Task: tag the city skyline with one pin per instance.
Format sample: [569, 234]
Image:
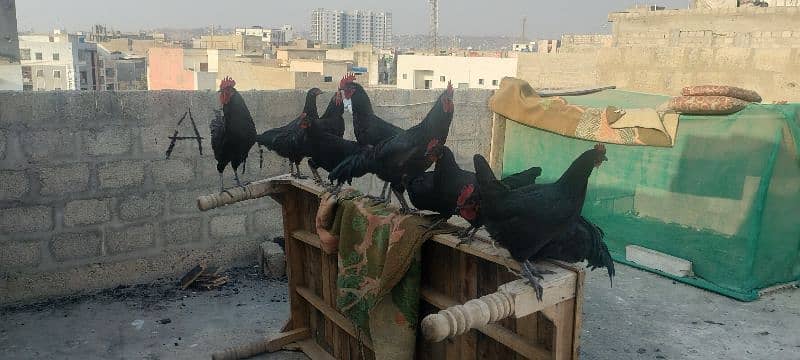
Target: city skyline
[471, 18]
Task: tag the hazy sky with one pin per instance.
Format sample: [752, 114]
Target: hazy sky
[463, 17]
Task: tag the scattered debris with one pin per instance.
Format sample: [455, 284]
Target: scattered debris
[138, 324]
[641, 350]
[165, 321]
[203, 278]
[713, 322]
[763, 333]
[660, 357]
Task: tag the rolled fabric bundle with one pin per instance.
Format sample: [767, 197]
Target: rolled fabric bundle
[706, 105]
[722, 90]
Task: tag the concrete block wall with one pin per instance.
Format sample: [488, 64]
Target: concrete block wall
[773, 73]
[751, 27]
[560, 70]
[88, 200]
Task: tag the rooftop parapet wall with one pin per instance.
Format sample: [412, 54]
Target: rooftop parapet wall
[89, 201]
[749, 27]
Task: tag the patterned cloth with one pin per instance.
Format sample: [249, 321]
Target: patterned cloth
[517, 101]
[379, 269]
[722, 90]
[706, 105]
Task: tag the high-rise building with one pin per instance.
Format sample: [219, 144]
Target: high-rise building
[347, 28]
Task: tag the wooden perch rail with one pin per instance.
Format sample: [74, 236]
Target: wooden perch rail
[250, 191]
[255, 190]
[515, 298]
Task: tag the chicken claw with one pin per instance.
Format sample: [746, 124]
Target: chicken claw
[466, 235]
[533, 276]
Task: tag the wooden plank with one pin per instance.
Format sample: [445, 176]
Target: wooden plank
[657, 260]
[272, 344]
[497, 146]
[330, 327]
[558, 288]
[308, 238]
[481, 248]
[503, 276]
[311, 349]
[487, 348]
[466, 279]
[294, 260]
[494, 331]
[340, 320]
[562, 317]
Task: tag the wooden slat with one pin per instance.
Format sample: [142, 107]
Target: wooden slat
[497, 146]
[466, 278]
[294, 259]
[307, 237]
[329, 271]
[578, 313]
[311, 349]
[561, 316]
[494, 331]
[480, 248]
[340, 320]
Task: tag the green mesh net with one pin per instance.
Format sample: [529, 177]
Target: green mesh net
[726, 196]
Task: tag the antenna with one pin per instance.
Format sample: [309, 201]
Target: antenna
[434, 30]
[524, 21]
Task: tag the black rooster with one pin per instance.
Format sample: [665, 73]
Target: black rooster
[544, 220]
[233, 134]
[289, 141]
[450, 190]
[328, 149]
[368, 128]
[402, 154]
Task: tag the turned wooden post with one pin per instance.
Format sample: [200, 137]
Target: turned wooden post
[516, 298]
[253, 190]
[459, 319]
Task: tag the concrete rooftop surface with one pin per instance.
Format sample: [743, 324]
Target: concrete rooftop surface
[643, 316]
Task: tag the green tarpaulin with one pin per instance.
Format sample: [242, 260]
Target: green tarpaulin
[726, 196]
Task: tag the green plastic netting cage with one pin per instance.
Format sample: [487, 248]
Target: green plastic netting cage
[726, 197]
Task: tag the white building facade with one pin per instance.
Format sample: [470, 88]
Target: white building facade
[434, 72]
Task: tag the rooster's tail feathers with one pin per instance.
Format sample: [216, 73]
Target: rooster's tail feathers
[354, 166]
[268, 139]
[599, 254]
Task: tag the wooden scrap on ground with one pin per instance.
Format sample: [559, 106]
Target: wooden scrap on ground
[204, 278]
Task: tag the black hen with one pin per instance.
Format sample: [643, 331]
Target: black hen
[233, 134]
[402, 155]
[449, 189]
[328, 150]
[289, 141]
[368, 128]
[532, 220]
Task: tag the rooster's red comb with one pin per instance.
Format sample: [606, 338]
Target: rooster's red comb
[227, 82]
[350, 77]
[601, 148]
[450, 89]
[465, 194]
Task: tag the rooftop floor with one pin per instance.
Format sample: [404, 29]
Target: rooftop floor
[643, 316]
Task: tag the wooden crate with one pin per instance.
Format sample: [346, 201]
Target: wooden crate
[451, 275]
